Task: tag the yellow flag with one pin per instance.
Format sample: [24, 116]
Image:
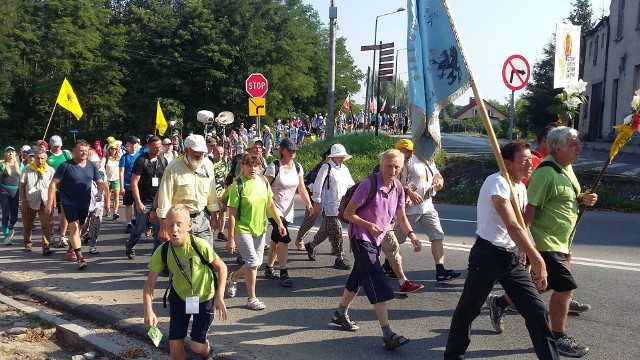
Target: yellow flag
[161, 123]
[68, 100]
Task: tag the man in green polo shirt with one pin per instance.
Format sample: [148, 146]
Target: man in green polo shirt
[192, 291]
[554, 197]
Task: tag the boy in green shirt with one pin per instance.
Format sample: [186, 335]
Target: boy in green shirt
[192, 291]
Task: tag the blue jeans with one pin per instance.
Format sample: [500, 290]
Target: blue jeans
[9, 200]
[141, 226]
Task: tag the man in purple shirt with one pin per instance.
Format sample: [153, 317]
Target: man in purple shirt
[368, 223]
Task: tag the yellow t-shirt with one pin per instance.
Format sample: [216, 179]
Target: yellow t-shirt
[253, 205]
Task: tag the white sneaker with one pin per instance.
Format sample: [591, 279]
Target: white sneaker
[63, 242]
[232, 286]
[7, 241]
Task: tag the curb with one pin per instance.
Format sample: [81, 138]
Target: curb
[74, 335]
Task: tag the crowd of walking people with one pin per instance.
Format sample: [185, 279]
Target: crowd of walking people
[186, 193]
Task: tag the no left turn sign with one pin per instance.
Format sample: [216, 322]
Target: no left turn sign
[515, 72]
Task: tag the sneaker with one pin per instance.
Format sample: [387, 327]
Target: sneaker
[409, 287]
[389, 270]
[341, 264]
[285, 281]
[232, 286]
[222, 237]
[115, 217]
[28, 249]
[71, 255]
[93, 250]
[255, 304]
[47, 252]
[394, 341]
[496, 314]
[147, 232]
[129, 229]
[270, 273]
[131, 254]
[578, 308]
[511, 309]
[311, 251]
[7, 241]
[447, 275]
[344, 321]
[82, 264]
[567, 346]
[63, 242]
[108, 215]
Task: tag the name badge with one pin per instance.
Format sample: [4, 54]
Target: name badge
[192, 304]
[155, 182]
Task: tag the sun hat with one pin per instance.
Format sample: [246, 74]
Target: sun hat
[338, 150]
[196, 143]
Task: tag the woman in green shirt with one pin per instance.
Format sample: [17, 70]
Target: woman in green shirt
[250, 198]
[9, 185]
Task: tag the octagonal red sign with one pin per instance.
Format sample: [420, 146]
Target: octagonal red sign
[257, 85]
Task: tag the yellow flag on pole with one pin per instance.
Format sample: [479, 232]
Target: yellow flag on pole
[161, 122]
[68, 99]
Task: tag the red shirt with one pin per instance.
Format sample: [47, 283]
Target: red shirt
[536, 159]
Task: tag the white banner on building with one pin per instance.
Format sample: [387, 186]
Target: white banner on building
[567, 62]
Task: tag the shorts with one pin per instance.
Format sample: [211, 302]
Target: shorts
[430, 222]
[368, 273]
[251, 248]
[559, 277]
[127, 197]
[179, 321]
[275, 234]
[73, 213]
[114, 185]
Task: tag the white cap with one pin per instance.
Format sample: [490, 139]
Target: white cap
[55, 141]
[338, 150]
[25, 148]
[196, 143]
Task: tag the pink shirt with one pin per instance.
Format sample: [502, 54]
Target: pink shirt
[380, 210]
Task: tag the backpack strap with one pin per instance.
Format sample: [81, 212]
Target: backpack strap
[164, 249]
[204, 261]
[373, 189]
[240, 186]
[66, 154]
[277, 164]
[326, 179]
[552, 165]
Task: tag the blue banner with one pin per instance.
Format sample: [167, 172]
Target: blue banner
[437, 72]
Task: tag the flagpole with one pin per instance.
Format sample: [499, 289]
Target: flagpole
[49, 123]
[487, 122]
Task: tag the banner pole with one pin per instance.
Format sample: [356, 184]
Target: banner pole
[49, 123]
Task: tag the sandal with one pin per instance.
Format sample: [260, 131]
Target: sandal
[286, 281]
[300, 245]
[394, 341]
[255, 304]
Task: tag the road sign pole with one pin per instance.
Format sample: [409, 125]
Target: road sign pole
[377, 98]
[512, 115]
[258, 125]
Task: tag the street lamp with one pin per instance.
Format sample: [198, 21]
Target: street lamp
[375, 42]
[395, 86]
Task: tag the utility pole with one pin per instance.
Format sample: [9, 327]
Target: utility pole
[331, 98]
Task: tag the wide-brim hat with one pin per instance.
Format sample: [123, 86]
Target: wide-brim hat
[338, 150]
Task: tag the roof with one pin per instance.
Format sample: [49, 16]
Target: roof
[473, 103]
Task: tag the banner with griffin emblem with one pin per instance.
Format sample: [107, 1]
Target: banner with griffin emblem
[437, 72]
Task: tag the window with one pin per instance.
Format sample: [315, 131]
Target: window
[490, 112]
[614, 105]
[590, 47]
[638, 24]
[620, 20]
[474, 112]
[595, 52]
[636, 77]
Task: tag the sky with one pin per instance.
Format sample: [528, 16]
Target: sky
[490, 31]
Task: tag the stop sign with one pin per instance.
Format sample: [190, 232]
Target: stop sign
[257, 85]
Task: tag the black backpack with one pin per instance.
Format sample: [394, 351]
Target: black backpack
[165, 250]
[232, 169]
[277, 164]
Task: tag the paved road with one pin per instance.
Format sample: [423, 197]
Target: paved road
[592, 157]
[296, 324]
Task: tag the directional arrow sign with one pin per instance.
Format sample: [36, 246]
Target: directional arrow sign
[386, 65]
[386, 78]
[386, 72]
[386, 52]
[386, 46]
[369, 47]
[386, 58]
[257, 107]
[516, 72]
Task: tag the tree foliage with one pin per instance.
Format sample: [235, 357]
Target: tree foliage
[121, 56]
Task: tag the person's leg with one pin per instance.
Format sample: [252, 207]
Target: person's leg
[200, 328]
[307, 223]
[222, 221]
[45, 223]
[558, 309]
[334, 229]
[322, 234]
[28, 218]
[178, 326]
[4, 203]
[14, 202]
[250, 276]
[391, 251]
[136, 232]
[526, 297]
[382, 313]
[64, 224]
[176, 349]
[116, 201]
[107, 199]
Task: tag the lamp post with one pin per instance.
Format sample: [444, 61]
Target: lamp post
[333, 24]
[375, 41]
[395, 86]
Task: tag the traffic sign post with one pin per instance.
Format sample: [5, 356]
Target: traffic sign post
[74, 132]
[256, 86]
[515, 74]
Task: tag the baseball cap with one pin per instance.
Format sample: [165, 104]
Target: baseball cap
[55, 140]
[253, 142]
[9, 148]
[110, 139]
[166, 142]
[196, 143]
[43, 143]
[404, 144]
[113, 145]
[31, 152]
[133, 140]
[288, 144]
[25, 148]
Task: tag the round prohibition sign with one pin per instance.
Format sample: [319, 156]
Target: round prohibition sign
[516, 72]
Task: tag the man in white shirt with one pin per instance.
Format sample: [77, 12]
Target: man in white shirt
[331, 184]
[496, 257]
[421, 182]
